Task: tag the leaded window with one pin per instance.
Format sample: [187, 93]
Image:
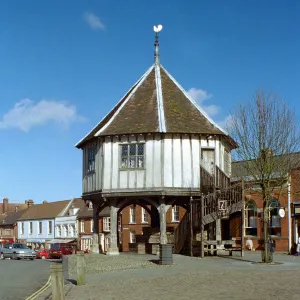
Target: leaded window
[175, 213]
[250, 218]
[91, 159]
[274, 218]
[133, 156]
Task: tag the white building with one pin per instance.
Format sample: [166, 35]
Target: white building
[66, 225]
[152, 148]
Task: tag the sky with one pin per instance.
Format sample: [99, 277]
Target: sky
[65, 64]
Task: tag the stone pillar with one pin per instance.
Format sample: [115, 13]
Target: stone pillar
[95, 245]
[80, 268]
[113, 245]
[163, 222]
[57, 281]
[218, 230]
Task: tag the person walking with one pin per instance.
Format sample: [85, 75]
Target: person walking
[298, 246]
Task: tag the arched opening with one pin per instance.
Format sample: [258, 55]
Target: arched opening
[250, 218]
[136, 218]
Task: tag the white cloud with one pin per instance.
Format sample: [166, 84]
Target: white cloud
[93, 21]
[201, 96]
[226, 123]
[27, 114]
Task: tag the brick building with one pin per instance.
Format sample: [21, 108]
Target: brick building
[9, 214]
[284, 230]
[136, 222]
[86, 227]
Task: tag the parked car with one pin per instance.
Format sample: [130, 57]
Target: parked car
[43, 254]
[57, 250]
[17, 251]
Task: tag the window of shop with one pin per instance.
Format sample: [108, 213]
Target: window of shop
[274, 218]
[250, 218]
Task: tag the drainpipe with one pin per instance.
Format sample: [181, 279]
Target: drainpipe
[289, 215]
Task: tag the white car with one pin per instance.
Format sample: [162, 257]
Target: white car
[16, 251]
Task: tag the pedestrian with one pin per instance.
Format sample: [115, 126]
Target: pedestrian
[249, 244]
[298, 247]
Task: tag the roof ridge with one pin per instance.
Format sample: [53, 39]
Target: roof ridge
[194, 102]
[159, 96]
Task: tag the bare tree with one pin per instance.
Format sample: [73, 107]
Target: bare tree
[268, 137]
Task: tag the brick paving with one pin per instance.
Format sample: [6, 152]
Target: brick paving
[193, 278]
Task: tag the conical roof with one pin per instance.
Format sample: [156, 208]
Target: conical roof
[156, 103]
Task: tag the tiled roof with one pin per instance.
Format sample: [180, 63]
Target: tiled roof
[76, 203]
[12, 217]
[239, 169]
[156, 104]
[48, 210]
[88, 213]
[12, 207]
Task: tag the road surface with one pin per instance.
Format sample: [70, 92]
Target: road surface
[21, 278]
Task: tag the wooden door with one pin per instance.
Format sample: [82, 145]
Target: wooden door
[208, 160]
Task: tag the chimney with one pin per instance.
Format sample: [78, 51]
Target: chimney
[5, 205]
[29, 202]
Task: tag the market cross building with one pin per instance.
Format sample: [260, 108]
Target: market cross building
[152, 149]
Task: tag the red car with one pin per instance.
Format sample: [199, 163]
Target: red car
[43, 254]
[57, 250]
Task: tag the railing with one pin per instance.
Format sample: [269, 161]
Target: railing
[181, 233]
[207, 181]
[219, 204]
[222, 180]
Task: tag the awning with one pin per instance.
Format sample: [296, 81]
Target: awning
[86, 237]
[35, 241]
[61, 241]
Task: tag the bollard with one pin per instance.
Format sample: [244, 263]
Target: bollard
[80, 268]
[57, 282]
[65, 264]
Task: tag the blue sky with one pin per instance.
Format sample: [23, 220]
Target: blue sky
[65, 64]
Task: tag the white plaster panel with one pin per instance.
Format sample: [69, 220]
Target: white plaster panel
[107, 164]
[177, 161]
[140, 179]
[196, 162]
[115, 165]
[186, 163]
[168, 172]
[217, 153]
[149, 161]
[157, 162]
[132, 179]
[123, 179]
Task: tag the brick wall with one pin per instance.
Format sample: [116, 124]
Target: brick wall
[139, 227]
[281, 239]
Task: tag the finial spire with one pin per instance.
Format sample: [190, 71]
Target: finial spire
[157, 29]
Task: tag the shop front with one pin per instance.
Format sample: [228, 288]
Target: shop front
[295, 223]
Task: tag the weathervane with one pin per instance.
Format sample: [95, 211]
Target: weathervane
[157, 29]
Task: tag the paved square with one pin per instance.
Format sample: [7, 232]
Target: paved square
[195, 278]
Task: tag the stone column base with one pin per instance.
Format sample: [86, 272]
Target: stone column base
[95, 249]
[112, 251]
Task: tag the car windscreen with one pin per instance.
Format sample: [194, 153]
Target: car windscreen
[55, 246]
[20, 246]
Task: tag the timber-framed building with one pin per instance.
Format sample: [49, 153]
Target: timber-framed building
[155, 148]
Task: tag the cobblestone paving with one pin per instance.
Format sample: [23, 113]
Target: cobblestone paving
[96, 263]
[210, 278]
